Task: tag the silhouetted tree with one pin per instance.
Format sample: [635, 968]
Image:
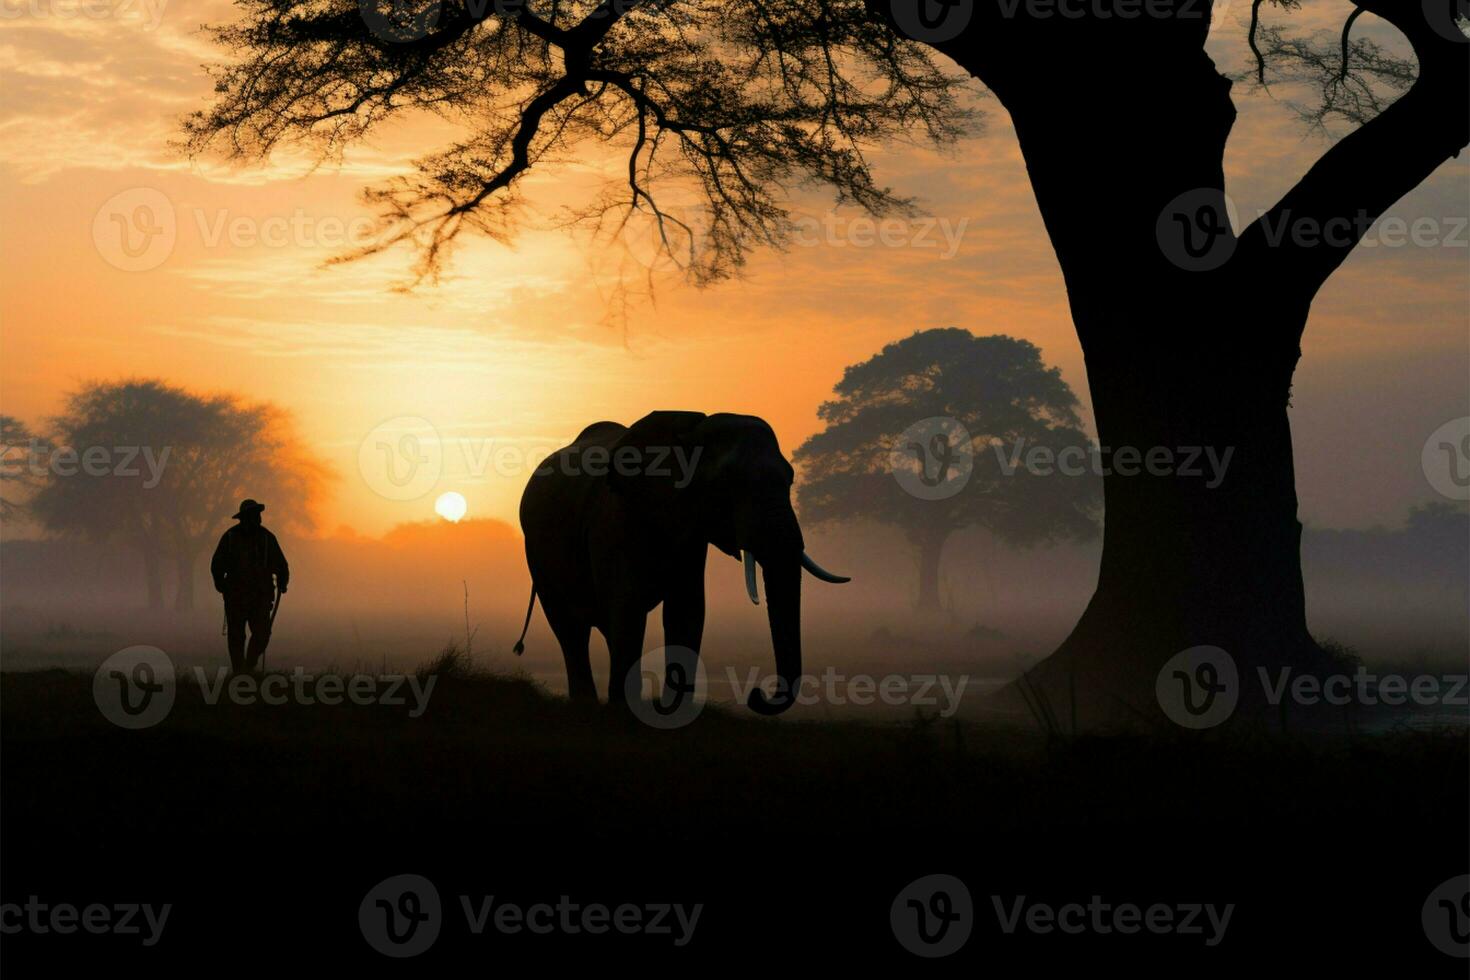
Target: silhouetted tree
[19, 464]
[169, 468]
[1010, 405]
[1191, 331]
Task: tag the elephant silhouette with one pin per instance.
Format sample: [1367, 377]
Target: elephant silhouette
[621, 520]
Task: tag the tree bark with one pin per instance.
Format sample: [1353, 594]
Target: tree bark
[1176, 363]
[1182, 356]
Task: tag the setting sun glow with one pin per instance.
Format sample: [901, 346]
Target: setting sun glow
[451, 506]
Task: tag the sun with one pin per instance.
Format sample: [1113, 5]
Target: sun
[451, 506]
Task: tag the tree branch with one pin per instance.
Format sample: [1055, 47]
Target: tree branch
[1310, 231]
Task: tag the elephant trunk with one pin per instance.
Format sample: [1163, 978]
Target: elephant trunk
[783, 605]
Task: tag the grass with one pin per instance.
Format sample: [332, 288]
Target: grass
[501, 782]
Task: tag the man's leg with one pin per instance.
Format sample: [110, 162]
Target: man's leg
[260, 635]
[235, 634]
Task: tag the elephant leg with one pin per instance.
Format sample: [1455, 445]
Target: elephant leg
[573, 635]
[625, 648]
[683, 616]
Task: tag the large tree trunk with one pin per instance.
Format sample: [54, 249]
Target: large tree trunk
[1176, 358]
[1123, 122]
[1189, 559]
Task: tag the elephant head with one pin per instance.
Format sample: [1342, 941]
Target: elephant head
[723, 480]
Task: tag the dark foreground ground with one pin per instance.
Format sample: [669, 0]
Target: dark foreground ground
[266, 828]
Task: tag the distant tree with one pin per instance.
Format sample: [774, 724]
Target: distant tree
[19, 473]
[885, 456]
[169, 468]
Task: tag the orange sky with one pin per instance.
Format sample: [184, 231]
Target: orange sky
[517, 351]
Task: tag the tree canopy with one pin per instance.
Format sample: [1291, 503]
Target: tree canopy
[891, 425]
[742, 98]
[172, 466]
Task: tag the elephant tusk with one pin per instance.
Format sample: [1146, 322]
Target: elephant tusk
[818, 571]
[750, 578]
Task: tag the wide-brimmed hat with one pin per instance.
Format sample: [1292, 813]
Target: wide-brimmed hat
[248, 506]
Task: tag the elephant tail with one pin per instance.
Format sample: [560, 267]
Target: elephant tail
[520, 646]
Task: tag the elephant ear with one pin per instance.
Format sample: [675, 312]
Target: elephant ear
[650, 464]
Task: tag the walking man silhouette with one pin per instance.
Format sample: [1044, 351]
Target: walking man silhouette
[248, 569]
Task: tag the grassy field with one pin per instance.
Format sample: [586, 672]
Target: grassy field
[265, 825]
